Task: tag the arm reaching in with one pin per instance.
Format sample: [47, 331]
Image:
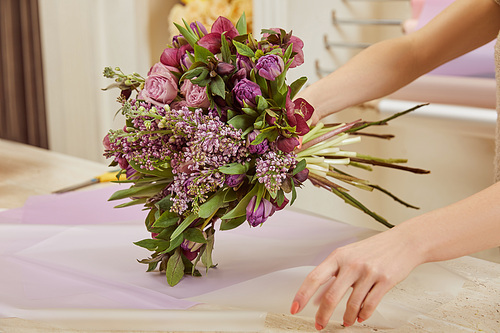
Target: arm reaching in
[389, 65]
[375, 265]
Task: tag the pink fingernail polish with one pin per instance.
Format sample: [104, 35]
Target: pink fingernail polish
[295, 307]
[360, 320]
[346, 325]
[318, 327]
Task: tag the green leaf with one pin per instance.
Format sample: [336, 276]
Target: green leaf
[270, 135]
[288, 52]
[241, 25]
[137, 191]
[230, 196]
[202, 54]
[132, 203]
[299, 167]
[234, 168]
[251, 112]
[218, 87]
[281, 197]
[225, 50]
[166, 220]
[262, 104]
[152, 244]
[183, 226]
[269, 31]
[191, 38]
[206, 257]
[232, 223]
[194, 235]
[159, 172]
[240, 209]
[202, 77]
[242, 121]
[152, 266]
[192, 73]
[165, 204]
[243, 49]
[175, 268]
[211, 205]
[174, 243]
[296, 86]
[294, 193]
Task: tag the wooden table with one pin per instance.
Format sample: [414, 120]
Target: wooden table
[26, 171]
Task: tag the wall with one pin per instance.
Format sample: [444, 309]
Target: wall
[80, 38]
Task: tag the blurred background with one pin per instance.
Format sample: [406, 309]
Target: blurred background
[53, 53]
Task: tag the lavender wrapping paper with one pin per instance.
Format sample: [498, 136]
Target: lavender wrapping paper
[79, 255]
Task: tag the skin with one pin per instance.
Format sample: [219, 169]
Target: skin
[373, 266]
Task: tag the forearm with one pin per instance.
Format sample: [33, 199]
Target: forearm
[465, 227]
[375, 72]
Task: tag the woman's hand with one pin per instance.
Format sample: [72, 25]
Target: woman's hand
[371, 267]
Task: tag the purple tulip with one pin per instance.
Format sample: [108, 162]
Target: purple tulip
[287, 145]
[260, 148]
[245, 63]
[258, 216]
[297, 46]
[270, 66]
[198, 28]
[170, 57]
[245, 91]
[234, 180]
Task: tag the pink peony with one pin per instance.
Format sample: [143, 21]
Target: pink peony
[195, 95]
[160, 87]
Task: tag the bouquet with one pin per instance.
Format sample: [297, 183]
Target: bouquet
[214, 138]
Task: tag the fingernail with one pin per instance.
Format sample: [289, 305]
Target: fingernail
[318, 326]
[295, 307]
[346, 325]
[360, 320]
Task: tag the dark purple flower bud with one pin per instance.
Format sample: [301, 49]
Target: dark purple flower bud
[106, 143]
[301, 176]
[186, 61]
[280, 207]
[234, 180]
[190, 249]
[122, 162]
[223, 68]
[260, 148]
[287, 145]
[245, 63]
[170, 57]
[198, 29]
[270, 66]
[270, 120]
[298, 113]
[259, 215]
[131, 173]
[245, 91]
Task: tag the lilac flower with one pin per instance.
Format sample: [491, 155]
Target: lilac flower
[245, 92]
[259, 215]
[272, 168]
[260, 148]
[270, 66]
[234, 180]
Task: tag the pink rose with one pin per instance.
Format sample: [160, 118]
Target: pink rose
[196, 96]
[160, 87]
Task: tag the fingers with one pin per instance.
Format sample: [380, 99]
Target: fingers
[319, 276]
[372, 300]
[333, 296]
[356, 301]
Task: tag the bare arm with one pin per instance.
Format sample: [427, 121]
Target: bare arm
[389, 65]
[373, 266]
